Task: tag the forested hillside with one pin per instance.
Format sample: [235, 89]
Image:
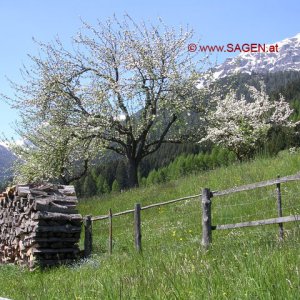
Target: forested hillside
[6, 162]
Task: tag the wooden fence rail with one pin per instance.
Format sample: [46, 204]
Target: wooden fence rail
[129, 211]
[206, 204]
[256, 185]
[258, 223]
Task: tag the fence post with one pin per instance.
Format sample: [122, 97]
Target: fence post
[206, 217]
[110, 232]
[137, 227]
[88, 238]
[279, 209]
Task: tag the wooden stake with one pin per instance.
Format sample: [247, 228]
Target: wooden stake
[279, 209]
[88, 238]
[110, 240]
[206, 218]
[137, 227]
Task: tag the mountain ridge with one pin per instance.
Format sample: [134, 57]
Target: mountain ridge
[286, 59]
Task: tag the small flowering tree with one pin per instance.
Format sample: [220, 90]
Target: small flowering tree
[240, 124]
[53, 154]
[123, 87]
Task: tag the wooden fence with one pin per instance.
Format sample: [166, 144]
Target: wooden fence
[206, 204]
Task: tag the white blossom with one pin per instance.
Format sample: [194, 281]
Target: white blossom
[239, 123]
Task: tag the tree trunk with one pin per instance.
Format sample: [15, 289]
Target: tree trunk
[133, 173]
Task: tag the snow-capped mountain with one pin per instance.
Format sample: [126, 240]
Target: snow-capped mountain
[286, 59]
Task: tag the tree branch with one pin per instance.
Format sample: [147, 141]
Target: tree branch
[78, 176]
[144, 152]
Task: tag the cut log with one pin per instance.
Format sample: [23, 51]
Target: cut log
[56, 216]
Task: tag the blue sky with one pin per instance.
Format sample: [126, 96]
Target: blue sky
[214, 22]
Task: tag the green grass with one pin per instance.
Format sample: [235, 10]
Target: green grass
[248, 263]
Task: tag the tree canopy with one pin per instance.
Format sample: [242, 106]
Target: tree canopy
[123, 87]
[240, 124]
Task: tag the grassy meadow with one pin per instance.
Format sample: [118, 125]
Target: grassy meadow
[248, 263]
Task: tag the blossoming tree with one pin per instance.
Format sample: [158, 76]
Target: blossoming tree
[240, 124]
[51, 153]
[123, 87]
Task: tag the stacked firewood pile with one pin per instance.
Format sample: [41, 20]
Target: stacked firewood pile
[39, 225]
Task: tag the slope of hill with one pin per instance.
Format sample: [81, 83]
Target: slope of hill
[6, 161]
[241, 264]
[286, 83]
